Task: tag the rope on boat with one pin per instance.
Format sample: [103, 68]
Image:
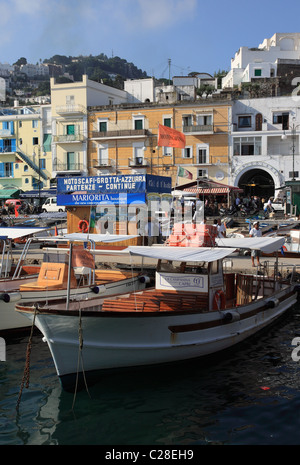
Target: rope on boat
[80, 359]
[26, 374]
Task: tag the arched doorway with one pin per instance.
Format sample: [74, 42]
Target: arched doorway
[257, 182]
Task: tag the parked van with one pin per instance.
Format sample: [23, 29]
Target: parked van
[51, 206]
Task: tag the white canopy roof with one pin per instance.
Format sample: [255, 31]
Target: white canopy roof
[14, 233]
[97, 237]
[182, 254]
[265, 244]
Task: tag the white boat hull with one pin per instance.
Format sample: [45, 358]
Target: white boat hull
[130, 339]
[12, 320]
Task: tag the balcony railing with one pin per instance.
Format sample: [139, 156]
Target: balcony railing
[125, 133]
[199, 128]
[69, 138]
[60, 166]
[138, 162]
[6, 133]
[70, 109]
[105, 163]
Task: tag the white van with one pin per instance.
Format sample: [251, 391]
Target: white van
[51, 206]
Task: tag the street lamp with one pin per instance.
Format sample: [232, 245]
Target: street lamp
[284, 137]
[39, 166]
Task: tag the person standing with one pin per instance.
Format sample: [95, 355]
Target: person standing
[255, 232]
[221, 229]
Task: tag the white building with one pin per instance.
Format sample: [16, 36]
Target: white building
[261, 62]
[140, 90]
[264, 143]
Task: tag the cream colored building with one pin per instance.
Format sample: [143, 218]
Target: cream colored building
[70, 102]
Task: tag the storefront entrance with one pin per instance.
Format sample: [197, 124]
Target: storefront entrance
[257, 182]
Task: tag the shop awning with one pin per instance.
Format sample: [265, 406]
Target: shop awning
[44, 193]
[10, 193]
[208, 187]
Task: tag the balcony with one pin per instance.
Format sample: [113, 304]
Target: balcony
[138, 162]
[67, 167]
[120, 134]
[199, 128]
[69, 138]
[6, 133]
[70, 109]
[106, 163]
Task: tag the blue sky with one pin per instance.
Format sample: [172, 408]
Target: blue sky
[196, 35]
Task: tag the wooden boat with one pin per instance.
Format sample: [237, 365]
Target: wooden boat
[57, 274]
[195, 309]
[12, 275]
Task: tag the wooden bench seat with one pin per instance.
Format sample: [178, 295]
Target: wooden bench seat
[51, 276]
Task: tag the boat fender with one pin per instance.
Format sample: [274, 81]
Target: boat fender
[11, 297]
[219, 301]
[98, 289]
[83, 226]
[144, 279]
[230, 317]
[272, 303]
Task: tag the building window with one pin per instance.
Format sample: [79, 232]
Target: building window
[70, 99]
[244, 121]
[35, 141]
[102, 126]
[168, 122]
[138, 124]
[70, 129]
[247, 146]
[34, 123]
[257, 72]
[42, 163]
[204, 120]
[202, 154]
[167, 151]
[281, 118]
[187, 120]
[187, 152]
[202, 173]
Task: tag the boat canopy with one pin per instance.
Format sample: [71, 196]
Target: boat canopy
[182, 254]
[15, 233]
[97, 237]
[264, 244]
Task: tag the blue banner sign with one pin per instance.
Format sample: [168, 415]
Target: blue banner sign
[91, 198]
[131, 184]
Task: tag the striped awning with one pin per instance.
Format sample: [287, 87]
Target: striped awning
[207, 190]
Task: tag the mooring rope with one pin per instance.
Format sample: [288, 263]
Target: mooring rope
[80, 358]
[26, 374]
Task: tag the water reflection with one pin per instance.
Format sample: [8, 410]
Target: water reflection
[219, 401]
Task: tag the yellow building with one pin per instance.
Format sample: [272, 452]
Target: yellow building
[123, 139]
[25, 148]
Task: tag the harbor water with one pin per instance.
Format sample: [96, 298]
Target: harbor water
[249, 395]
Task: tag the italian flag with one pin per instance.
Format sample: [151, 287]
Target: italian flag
[183, 173]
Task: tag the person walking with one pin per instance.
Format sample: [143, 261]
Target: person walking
[255, 232]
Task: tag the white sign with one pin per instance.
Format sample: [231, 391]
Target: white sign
[181, 282]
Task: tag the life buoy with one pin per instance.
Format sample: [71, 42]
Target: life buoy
[83, 226]
[219, 300]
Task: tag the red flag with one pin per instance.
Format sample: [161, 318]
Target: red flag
[168, 137]
[16, 212]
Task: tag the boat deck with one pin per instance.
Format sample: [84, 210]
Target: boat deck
[154, 300]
